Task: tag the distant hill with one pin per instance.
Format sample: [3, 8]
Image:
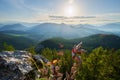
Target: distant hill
[89, 43]
[17, 27]
[13, 32]
[113, 28]
[17, 42]
[50, 30]
[1, 25]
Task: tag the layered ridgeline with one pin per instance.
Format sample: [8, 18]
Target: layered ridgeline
[22, 36]
[91, 42]
[45, 31]
[18, 42]
[16, 27]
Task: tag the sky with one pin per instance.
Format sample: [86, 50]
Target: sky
[60, 11]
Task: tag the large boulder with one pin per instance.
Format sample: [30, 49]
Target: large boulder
[19, 65]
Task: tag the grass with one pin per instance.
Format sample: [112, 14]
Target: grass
[42, 79]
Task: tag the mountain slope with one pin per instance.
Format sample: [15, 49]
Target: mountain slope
[17, 27]
[1, 25]
[89, 43]
[15, 41]
[113, 28]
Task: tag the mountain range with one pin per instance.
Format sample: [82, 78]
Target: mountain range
[45, 31]
[51, 34]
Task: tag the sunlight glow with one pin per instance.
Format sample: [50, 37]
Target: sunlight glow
[71, 1]
[70, 11]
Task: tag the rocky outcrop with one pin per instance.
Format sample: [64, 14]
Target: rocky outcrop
[19, 65]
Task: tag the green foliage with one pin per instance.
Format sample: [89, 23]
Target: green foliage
[8, 47]
[42, 79]
[31, 49]
[49, 54]
[65, 61]
[100, 64]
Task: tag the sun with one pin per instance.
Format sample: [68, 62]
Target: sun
[70, 11]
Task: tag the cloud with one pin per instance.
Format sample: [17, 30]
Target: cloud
[106, 20]
[71, 20]
[24, 5]
[74, 17]
[84, 17]
[96, 19]
[57, 17]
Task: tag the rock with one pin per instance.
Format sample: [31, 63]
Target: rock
[17, 65]
[40, 58]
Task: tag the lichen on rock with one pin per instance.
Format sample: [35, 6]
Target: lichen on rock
[16, 65]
